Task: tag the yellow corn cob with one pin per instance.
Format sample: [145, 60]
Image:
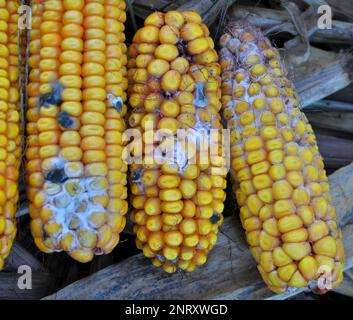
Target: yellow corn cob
[75, 174]
[174, 83]
[10, 133]
[279, 178]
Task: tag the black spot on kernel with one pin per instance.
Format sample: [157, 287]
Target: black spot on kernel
[136, 175]
[65, 120]
[215, 218]
[51, 98]
[166, 94]
[118, 105]
[56, 176]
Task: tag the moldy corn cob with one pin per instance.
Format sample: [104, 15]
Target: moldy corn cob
[174, 83]
[279, 179]
[10, 124]
[76, 178]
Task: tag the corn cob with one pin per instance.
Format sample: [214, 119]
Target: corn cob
[10, 135]
[279, 179]
[174, 83]
[76, 178]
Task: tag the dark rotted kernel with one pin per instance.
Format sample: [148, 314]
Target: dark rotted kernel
[51, 98]
[136, 176]
[118, 105]
[65, 120]
[215, 218]
[56, 175]
[200, 95]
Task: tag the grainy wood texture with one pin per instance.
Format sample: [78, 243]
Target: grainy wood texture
[20, 256]
[230, 272]
[342, 7]
[330, 105]
[339, 121]
[322, 75]
[265, 18]
[345, 95]
[337, 152]
[9, 289]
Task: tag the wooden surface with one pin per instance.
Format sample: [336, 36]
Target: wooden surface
[340, 121]
[323, 74]
[337, 152]
[41, 279]
[9, 289]
[265, 18]
[230, 272]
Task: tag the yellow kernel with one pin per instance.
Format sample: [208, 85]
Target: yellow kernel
[262, 181]
[265, 212]
[244, 174]
[269, 132]
[292, 163]
[297, 280]
[298, 250]
[300, 197]
[247, 187]
[252, 238]
[266, 261]
[306, 214]
[254, 89]
[256, 156]
[271, 91]
[277, 172]
[283, 118]
[252, 223]
[288, 134]
[241, 107]
[295, 178]
[246, 118]
[280, 258]
[276, 156]
[253, 143]
[318, 230]
[291, 148]
[259, 103]
[268, 118]
[274, 144]
[283, 208]
[289, 223]
[320, 206]
[306, 156]
[282, 190]
[276, 106]
[286, 272]
[265, 195]
[260, 167]
[326, 246]
[308, 268]
[298, 235]
[270, 226]
[268, 242]
[254, 204]
[258, 70]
